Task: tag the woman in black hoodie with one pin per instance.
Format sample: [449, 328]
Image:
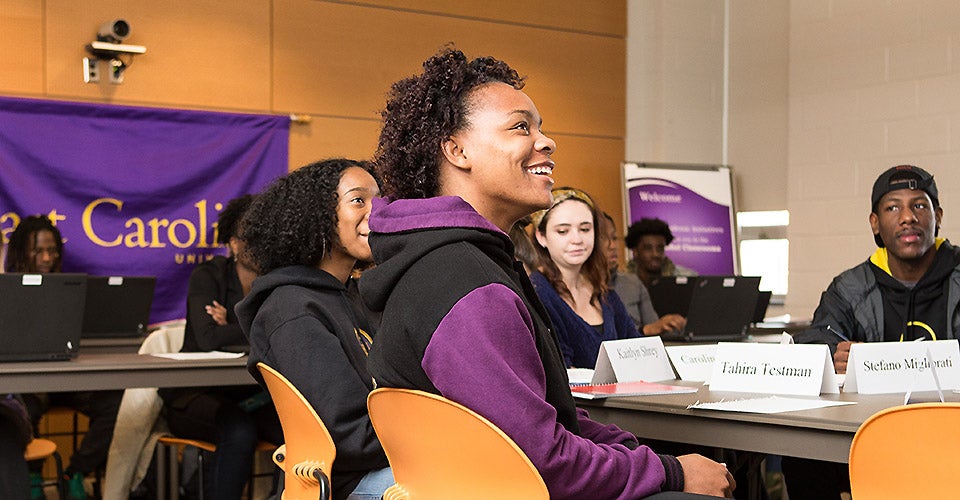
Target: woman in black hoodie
[306, 233]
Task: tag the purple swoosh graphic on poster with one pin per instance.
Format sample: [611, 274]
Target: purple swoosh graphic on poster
[701, 228]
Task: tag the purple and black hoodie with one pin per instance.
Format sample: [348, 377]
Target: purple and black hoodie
[461, 319]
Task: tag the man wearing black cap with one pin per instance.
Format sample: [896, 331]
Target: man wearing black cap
[902, 292]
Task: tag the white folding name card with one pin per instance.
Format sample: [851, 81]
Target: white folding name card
[889, 367]
[794, 369]
[693, 362]
[631, 360]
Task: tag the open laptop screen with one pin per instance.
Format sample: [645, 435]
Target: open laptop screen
[41, 315]
[118, 306]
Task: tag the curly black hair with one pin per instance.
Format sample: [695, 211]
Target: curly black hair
[229, 219]
[24, 236]
[647, 226]
[295, 219]
[423, 111]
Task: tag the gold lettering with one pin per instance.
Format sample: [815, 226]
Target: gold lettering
[15, 221]
[178, 258]
[202, 213]
[87, 220]
[137, 237]
[172, 233]
[155, 225]
[55, 217]
[191, 258]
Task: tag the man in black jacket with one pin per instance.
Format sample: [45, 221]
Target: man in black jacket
[902, 292]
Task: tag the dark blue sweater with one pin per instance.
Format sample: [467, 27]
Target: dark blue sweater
[580, 342]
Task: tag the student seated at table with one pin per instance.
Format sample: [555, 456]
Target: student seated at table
[572, 281]
[631, 290]
[36, 247]
[908, 289]
[463, 157]
[234, 418]
[648, 239]
[306, 233]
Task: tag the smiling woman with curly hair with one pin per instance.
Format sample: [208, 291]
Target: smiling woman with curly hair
[306, 232]
[424, 111]
[463, 157]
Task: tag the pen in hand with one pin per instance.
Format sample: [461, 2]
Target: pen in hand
[837, 333]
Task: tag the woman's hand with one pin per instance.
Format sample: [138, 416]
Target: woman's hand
[706, 477]
[218, 313]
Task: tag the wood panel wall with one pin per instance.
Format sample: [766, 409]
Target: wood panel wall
[335, 61]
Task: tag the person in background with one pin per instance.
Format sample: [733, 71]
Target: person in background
[234, 418]
[572, 283]
[463, 157]
[908, 289]
[36, 247]
[648, 240]
[631, 290]
[306, 233]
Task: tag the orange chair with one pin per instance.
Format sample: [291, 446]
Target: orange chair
[167, 467]
[39, 449]
[308, 452]
[439, 449]
[906, 452]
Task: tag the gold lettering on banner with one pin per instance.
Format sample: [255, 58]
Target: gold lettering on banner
[138, 237]
[172, 233]
[5, 232]
[191, 258]
[87, 221]
[152, 233]
[202, 216]
[155, 225]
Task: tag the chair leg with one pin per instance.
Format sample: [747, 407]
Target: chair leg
[61, 485]
[173, 466]
[200, 472]
[160, 460]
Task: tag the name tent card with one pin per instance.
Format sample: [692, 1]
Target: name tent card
[890, 367]
[793, 369]
[631, 360]
[693, 362]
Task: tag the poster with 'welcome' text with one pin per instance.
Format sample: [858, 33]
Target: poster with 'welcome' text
[696, 201]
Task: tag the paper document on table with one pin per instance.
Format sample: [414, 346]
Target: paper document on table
[199, 355]
[772, 404]
[579, 376]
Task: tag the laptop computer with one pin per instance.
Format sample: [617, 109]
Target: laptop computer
[721, 308]
[672, 294]
[118, 306]
[763, 302]
[41, 315]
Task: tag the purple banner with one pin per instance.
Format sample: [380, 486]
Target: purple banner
[702, 229]
[134, 191]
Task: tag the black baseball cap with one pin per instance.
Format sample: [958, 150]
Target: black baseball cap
[902, 177]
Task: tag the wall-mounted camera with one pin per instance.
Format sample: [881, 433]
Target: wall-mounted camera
[107, 47]
[113, 31]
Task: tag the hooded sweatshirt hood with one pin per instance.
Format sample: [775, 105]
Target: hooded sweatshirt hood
[916, 312]
[264, 285]
[450, 218]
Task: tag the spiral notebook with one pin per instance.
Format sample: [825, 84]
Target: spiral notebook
[638, 388]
